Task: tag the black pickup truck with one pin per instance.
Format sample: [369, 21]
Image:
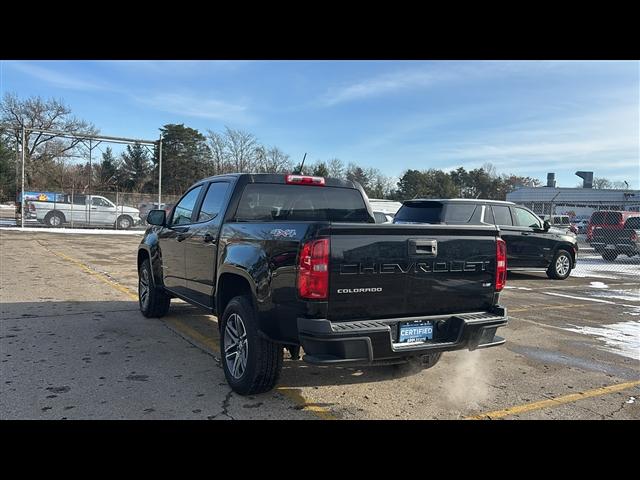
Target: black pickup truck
[611, 242]
[290, 261]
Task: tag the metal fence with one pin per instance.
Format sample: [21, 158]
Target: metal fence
[55, 208]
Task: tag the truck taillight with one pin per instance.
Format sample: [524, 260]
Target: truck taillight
[313, 270]
[304, 180]
[501, 264]
[634, 237]
[32, 207]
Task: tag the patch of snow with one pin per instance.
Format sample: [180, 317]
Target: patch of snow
[87, 231]
[631, 400]
[589, 299]
[621, 338]
[599, 285]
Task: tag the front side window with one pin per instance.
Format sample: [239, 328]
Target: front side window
[525, 218]
[184, 209]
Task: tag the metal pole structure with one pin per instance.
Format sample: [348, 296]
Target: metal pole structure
[22, 209]
[88, 207]
[160, 172]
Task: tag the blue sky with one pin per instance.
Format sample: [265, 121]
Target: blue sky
[525, 117]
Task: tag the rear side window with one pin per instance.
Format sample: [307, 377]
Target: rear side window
[460, 213]
[213, 201]
[502, 215]
[606, 218]
[268, 202]
[488, 215]
[380, 217]
[419, 212]
[633, 223]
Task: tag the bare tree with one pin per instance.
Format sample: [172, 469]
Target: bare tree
[242, 149]
[219, 147]
[276, 161]
[336, 168]
[42, 149]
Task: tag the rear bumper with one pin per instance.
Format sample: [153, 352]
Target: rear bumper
[371, 341]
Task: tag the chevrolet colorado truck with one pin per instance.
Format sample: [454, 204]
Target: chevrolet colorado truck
[291, 261]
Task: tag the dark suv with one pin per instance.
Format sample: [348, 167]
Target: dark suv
[531, 243]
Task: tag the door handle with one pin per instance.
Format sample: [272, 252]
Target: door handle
[180, 237]
[526, 233]
[94, 208]
[207, 238]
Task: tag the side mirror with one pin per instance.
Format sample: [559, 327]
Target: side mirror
[546, 226]
[157, 217]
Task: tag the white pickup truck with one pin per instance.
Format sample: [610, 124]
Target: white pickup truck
[85, 210]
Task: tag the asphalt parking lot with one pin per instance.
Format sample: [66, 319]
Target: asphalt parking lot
[73, 345]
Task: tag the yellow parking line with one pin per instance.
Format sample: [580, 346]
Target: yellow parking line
[100, 276]
[294, 394]
[554, 401]
[186, 330]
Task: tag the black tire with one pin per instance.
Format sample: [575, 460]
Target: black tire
[124, 222]
[54, 219]
[561, 265]
[609, 256]
[415, 364]
[156, 302]
[262, 358]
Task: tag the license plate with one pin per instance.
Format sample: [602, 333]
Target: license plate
[610, 247]
[411, 332]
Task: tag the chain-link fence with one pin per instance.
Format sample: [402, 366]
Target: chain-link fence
[56, 208]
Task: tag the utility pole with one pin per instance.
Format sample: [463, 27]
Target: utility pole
[160, 172]
[22, 203]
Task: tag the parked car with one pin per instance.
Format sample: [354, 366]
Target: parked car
[382, 217]
[146, 207]
[531, 242]
[293, 260]
[562, 222]
[581, 225]
[608, 219]
[85, 210]
[611, 242]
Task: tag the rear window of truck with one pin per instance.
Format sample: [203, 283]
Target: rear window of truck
[273, 202]
[606, 218]
[419, 212]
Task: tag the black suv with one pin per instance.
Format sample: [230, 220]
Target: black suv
[531, 243]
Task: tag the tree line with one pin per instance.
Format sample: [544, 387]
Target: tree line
[52, 162]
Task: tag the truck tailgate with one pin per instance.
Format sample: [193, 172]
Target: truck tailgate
[386, 271]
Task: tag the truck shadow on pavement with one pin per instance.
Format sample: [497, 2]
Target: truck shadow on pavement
[71, 334]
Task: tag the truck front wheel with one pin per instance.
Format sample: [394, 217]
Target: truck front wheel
[124, 222]
[251, 363]
[153, 301]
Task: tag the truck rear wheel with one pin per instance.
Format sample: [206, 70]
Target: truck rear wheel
[609, 256]
[251, 363]
[153, 301]
[54, 219]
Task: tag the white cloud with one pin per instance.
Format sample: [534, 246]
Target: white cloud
[58, 79]
[197, 106]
